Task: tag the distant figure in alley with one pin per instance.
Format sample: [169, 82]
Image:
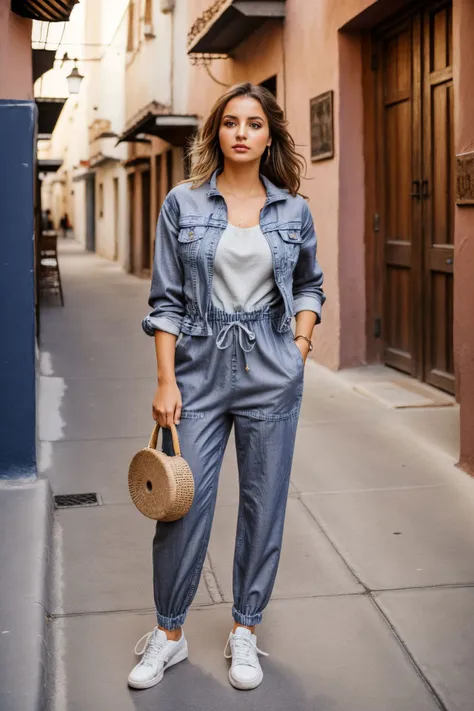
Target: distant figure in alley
[235, 260]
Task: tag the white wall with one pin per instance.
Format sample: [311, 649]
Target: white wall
[108, 21]
[149, 64]
[181, 23]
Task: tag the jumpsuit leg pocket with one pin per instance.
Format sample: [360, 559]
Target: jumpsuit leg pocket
[294, 351]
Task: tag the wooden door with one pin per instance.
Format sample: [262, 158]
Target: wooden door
[438, 197]
[415, 198]
[131, 222]
[158, 185]
[146, 223]
[399, 167]
[169, 169]
[116, 218]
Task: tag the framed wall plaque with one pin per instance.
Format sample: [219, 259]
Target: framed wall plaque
[465, 179]
[322, 126]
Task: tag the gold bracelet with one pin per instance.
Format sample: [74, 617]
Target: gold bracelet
[308, 341]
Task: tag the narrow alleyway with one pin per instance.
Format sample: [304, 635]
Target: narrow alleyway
[373, 608]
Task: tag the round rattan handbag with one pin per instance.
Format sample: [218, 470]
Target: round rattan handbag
[161, 487]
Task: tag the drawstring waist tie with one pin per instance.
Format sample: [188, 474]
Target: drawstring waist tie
[222, 342]
[240, 322]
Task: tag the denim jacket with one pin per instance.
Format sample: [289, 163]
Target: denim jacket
[190, 225]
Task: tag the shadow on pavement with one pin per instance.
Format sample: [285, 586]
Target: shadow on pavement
[193, 690]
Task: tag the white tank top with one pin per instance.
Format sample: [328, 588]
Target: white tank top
[243, 271]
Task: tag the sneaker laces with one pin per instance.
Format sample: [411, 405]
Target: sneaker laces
[152, 646]
[243, 652]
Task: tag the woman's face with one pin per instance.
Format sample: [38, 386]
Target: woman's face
[244, 131]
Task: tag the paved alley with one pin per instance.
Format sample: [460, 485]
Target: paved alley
[373, 607]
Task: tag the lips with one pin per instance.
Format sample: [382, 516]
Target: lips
[240, 148]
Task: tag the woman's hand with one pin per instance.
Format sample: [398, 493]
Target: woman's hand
[303, 348]
[167, 404]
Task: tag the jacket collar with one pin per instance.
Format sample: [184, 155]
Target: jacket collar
[274, 194]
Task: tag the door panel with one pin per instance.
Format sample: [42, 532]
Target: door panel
[400, 151]
[146, 223]
[131, 222]
[438, 202]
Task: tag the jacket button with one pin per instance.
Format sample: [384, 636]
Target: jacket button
[292, 235]
[191, 234]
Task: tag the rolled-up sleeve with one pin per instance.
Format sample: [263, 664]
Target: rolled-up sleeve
[308, 293]
[167, 284]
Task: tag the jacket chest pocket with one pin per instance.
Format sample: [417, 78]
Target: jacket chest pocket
[189, 242]
[291, 245]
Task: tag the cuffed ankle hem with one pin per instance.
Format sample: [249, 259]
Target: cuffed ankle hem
[171, 623]
[247, 620]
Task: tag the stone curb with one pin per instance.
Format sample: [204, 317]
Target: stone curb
[26, 517]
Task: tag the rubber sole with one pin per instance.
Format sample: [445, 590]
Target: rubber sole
[179, 657]
[245, 685]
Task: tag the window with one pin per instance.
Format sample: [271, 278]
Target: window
[148, 12]
[131, 26]
[148, 20]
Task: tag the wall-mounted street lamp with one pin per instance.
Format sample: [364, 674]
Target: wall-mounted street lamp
[74, 80]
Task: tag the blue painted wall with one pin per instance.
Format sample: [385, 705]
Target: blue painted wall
[17, 292]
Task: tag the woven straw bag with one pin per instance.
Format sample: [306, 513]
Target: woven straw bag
[161, 487]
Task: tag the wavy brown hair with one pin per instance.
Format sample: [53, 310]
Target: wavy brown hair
[283, 165]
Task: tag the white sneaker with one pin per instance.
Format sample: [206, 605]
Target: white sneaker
[159, 653]
[245, 671]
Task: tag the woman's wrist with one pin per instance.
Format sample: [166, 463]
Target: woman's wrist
[305, 339]
[166, 379]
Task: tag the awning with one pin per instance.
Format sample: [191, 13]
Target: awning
[48, 165]
[226, 23]
[173, 128]
[43, 61]
[48, 114]
[138, 160]
[50, 10]
[85, 175]
[101, 159]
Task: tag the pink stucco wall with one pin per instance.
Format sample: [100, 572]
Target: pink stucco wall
[16, 80]
[463, 20]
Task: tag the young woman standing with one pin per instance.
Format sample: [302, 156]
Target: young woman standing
[235, 259]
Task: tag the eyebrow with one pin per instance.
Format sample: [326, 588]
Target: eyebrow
[250, 118]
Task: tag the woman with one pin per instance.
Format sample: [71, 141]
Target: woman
[235, 259]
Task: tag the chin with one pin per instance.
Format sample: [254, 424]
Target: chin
[241, 158]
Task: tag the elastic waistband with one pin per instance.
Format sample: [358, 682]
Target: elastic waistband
[222, 317]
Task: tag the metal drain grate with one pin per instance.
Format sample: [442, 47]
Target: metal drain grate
[69, 501]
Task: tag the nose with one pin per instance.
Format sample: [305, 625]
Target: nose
[242, 131]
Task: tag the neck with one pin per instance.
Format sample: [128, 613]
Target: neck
[241, 178]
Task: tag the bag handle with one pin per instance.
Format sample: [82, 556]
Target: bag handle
[174, 434]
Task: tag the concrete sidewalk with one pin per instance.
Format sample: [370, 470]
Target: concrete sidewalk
[373, 607]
